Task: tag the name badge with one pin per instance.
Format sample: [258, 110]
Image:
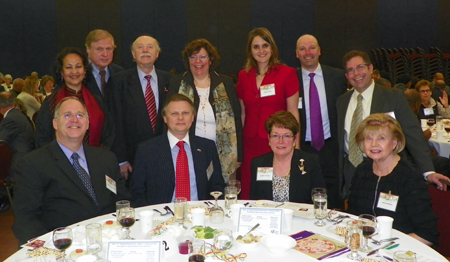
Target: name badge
[210, 170]
[267, 90]
[428, 111]
[300, 103]
[111, 184]
[388, 201]
[264, 174]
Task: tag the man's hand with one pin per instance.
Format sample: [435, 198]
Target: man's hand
[435, 177]
[126, 168]
[444, 99]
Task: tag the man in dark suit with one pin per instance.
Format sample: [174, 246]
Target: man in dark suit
[128, 104]
[65, 181]
[100, 49]
[376, 99]
[330, 83]
[15, 129]
[156, 176]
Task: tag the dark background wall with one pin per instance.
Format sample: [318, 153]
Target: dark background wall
[33, 32]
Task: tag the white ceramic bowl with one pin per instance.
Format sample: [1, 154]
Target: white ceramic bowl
[278, 244]
[243, 246]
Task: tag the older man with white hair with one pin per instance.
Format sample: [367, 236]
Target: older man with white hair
[7, 82]
[135, 100]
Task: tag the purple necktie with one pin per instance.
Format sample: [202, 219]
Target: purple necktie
[315, 115]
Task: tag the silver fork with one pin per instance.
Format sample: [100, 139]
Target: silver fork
[162, 214]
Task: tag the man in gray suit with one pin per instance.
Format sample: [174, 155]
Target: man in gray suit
[376, 99]
[15, 129]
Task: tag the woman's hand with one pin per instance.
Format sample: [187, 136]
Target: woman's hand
[444, 99]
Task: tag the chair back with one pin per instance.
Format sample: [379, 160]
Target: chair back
[441, 207]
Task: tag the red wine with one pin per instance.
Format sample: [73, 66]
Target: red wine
[430, 122]
[197, 258]
[63, 243]
[368, 230]
[447, 129]
[127, 222]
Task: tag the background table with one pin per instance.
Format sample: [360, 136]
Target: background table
[259, 254]
[441, 146]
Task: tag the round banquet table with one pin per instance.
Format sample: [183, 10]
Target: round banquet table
[258, 254]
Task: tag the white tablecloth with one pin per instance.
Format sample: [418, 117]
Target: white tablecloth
[259, 254]
[441, 146]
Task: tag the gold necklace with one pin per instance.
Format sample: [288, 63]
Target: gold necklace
[286, 179]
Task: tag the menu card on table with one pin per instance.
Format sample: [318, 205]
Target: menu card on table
[134, 250]
[318, 246]
[269, 220]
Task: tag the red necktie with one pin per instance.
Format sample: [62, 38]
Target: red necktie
[182, 184]
[151, 103]
[103, 81]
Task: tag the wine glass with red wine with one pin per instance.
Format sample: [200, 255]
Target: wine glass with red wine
[447, 129]
[125, 217]
[62, 239]
[431, 122]
[367, 224]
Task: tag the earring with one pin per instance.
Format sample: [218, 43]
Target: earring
[293, 145]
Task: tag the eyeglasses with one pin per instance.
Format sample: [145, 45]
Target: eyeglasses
[282, 137]
[101, 49]
[201, 57]
[70, 115]
[358, 69]
[425, 91]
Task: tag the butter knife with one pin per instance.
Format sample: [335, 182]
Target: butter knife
[383, 247]
[170, 210]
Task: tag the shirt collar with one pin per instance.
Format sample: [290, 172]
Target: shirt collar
[173, 140]
[142, 74]
[367, 93]
[95, 70]
[69, 152]
[318, 71]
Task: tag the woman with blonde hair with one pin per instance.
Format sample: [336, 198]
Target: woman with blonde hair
[27, 96]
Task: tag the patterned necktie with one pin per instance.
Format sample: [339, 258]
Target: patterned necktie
[151, 103]
[354, 153]
[182, 184]
[84, 177]
[103, 80]
[315, 113]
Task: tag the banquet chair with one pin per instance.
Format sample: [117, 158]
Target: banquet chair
[441, 207]
[5, 164]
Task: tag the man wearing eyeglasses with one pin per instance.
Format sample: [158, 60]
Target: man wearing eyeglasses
[328, 83]
[100, 49]
[135, 101]
[369, 98]
[65, 181]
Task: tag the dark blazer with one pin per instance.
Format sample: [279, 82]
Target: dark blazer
[216, 79]
[153, 180]
[17, 131]
[50, 194]
[92, 85]
[127, 105]
[386, 100]
[299, 186]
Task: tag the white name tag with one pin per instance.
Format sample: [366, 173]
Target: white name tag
[111, 184]
[264, 174]
[300, 103]
[210, 170]
[387, 201]
[428, 111]
[267, 90]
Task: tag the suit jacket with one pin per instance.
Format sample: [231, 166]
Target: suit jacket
[17, 131]
[216, 79]
[385, 100]
[50, 194]
[127, 106]
[299, 185]
[153, 180]
[92, 85]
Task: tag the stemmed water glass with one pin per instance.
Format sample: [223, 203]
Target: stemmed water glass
[180, 211]
[62, 239]
[230, 196]
[94, 238]
[320, 208]
[368, 225]
[235, 183]
[353, 239]
[126, 220]
[216, 212]
[317, 190]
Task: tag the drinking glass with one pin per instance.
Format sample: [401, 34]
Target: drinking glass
[353, 239]
[317, 190]
[94, 238]
[216, 212]
[404, 256]
[126, 220]
[196, 251]
[181, 211]
[121, 204]
[230, 196]
[223, 240]
[431, 122]
[320, 208]
[62, 239]
[447, 129]
[235, 183]
[368, 225]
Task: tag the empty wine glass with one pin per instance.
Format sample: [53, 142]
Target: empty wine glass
[126, 220]
[216, 212]
[235, 183]
[62, 239]
[181, 211]
[368, 225]
[94, 238]
[320, 208]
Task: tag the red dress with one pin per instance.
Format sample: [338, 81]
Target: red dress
[257, 111]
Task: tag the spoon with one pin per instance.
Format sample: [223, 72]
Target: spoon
[253, 228]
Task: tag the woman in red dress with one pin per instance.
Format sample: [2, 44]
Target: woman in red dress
[265, 86]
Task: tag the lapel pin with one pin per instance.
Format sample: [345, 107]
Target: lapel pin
[301, 166]
[199, 150]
